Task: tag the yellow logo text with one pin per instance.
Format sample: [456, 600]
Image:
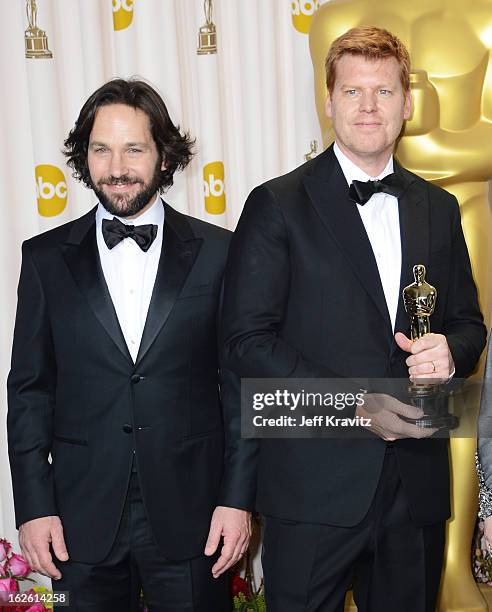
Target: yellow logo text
[302, 14]
[214, 188]
[51, 190]
[122, 14]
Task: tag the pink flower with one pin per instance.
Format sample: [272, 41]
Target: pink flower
[7, 584]
[5, 548]
[37, 607]
[18, 566]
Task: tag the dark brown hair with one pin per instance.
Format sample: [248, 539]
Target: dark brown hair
[173, 147]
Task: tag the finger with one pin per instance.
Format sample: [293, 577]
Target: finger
[236, 555]
[425, 368]
[437, 355]
[384, 432]
[390, 436]
[241, 547]
[403, 342]
[213, 539]
[406, 410]
[395, 427]
[58, 543]
[48, 568]
[37, 564]
[226, 554]
[409, 430]
[233, 560]
[26, 553]
[428, 342]
[29, 549]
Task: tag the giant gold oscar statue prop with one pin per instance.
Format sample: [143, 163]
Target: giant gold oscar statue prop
[448, 140]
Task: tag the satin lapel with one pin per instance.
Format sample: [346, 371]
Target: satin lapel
[328, 192]
[413, 209]
[179, 250]
[82, 257]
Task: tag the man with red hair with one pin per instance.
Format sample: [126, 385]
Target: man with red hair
[313, 289]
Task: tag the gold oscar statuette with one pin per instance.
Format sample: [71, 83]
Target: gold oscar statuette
[207, 34]
[313, 152]
[35, 39]
[419, 299]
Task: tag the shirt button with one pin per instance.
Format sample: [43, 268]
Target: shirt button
[132, 291]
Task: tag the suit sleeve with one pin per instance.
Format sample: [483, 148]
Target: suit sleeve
[463, 322]
[31, 399]
[256, 292]
[238, 486]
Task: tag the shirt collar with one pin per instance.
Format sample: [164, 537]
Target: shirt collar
[353, 172]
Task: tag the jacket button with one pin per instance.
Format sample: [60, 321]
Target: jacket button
[135, 379]
[127, 428]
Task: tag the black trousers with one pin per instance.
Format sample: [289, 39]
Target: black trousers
[390, 563]
[135, 563]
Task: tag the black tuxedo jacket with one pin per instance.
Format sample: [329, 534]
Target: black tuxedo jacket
[303, 298]
[74, 393]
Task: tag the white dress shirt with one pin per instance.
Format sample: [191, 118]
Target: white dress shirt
[382, 224]
[130, 273]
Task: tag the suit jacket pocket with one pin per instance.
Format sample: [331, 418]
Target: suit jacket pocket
[69, 440]
[203, 434]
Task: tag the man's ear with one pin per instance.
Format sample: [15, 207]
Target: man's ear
[328, 105]
[407, 108]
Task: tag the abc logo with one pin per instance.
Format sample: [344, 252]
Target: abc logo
[51, 190]
[302, 14]
[213, 186]
[122, 14]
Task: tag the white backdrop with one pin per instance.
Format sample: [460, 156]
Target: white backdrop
[250, 107]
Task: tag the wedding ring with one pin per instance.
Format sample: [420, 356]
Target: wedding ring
[433, 367]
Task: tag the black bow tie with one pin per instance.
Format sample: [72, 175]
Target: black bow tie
[115, 231]
[361, 191]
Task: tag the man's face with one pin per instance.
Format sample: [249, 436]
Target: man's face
[123, 160]
[367, 108]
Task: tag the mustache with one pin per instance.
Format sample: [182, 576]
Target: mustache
[120, 180]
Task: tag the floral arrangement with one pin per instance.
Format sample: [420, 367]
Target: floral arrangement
[246, 597]
[481, 557]
[14, 569]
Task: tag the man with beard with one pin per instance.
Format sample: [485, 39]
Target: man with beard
[116, 376]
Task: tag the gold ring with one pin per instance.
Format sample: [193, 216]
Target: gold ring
[433, 367]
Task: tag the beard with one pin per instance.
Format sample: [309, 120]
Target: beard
[123, 205]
